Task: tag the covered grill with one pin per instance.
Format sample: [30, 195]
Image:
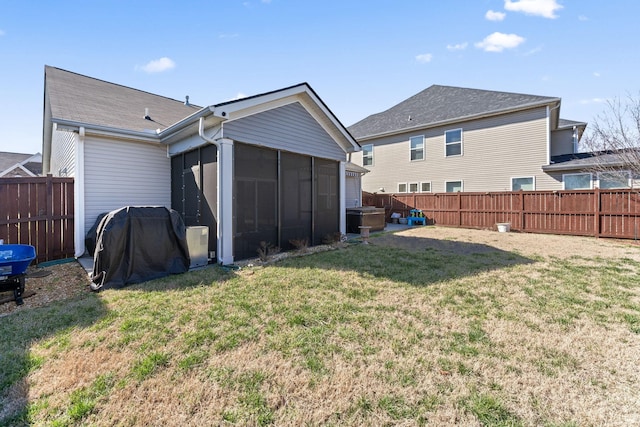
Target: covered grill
[365, 216]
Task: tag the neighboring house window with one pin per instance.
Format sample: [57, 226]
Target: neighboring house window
[453, 186]
[402, 187]
[576, 181]
[453, 142]
[527, 183]
[417, 148]
[613, 179]
[413, 187]
[425, 187]
[367, 155]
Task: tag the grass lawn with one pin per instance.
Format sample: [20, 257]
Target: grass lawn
[363, 335]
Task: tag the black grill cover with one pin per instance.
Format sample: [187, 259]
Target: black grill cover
[92, 235]
[136, 244]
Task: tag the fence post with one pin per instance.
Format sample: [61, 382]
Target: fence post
[49, 214]
[522, 227]
[459, 209]
[596, 214]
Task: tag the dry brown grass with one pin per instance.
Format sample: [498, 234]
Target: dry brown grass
[482, 328]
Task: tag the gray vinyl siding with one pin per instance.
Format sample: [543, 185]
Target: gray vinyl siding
[494, 150]
[63, 153]
[290, 128]
[562, 142]
[119, 174]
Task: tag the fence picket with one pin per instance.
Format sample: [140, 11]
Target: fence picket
[598, 212]
[39, 212]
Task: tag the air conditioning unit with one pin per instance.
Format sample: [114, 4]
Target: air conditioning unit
[198, 244]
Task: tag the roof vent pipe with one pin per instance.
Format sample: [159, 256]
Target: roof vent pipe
[186, 100]
[146, 114]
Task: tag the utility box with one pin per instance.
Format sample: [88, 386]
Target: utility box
[198, 244]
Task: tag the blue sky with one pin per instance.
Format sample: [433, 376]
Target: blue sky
[361, 57]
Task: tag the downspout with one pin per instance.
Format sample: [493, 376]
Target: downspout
[224, 196]
[78, 193]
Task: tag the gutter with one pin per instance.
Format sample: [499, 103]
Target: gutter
[555, 167]
[73, 126]
[179, 126]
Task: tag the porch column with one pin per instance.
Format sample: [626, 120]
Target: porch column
[225, 201]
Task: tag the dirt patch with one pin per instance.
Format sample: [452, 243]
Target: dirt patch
[466, 241]
[45, 285]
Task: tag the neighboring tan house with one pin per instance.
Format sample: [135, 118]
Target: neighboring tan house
[14, 165]
[269, 167]
[447, 139]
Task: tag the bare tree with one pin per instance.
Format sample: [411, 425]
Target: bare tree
[615, 136]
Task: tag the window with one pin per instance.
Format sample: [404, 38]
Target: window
[576, 181]
[417, 147]
[367, 155]
[413, 187]
[453, 186]
[525, 183]
[402, 187]
[453, 142]
[425, 187]
[613, 179]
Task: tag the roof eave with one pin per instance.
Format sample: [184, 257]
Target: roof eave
[176, 128]
[230, 108]
[99, 130]
[581, 167]
[571, 126]
[462, 119]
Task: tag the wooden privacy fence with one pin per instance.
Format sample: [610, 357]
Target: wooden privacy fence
[39, 212]
[599, 212]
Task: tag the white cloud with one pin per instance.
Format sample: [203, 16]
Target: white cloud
[239, 95]
[544, 8]
[424, 58]
[582, 18]
[2, 33]
[497, 42]
[459, 46]
[596, 74]
[494, 16]
[593, 101]
[158, 65]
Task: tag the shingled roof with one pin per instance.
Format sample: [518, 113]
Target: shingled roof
[86, 100]
[11, 164]
[441, 104]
